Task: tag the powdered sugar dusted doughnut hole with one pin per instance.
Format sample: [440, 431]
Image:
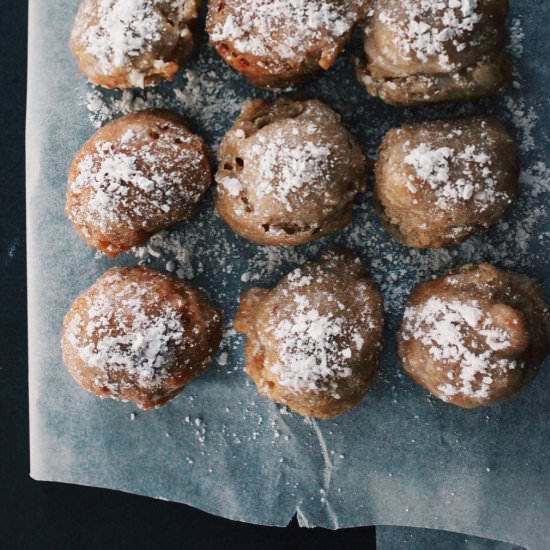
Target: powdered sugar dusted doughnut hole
[138, 335]
[421, 51]
[133, 43]
[440, 182]
[313, 341]
[288, 172]
[135, 176]
[476, 335]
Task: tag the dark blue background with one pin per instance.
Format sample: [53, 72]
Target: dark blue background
[47, 516]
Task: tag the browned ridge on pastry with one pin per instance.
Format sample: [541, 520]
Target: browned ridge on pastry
[313, 341]
[139, 335]
[476, 335]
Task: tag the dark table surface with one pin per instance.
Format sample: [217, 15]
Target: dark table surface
[47, 516]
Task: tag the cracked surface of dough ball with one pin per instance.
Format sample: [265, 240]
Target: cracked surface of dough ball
[440, 182]
[476, 335]
[135, 176]
[420, 51]
[288, 172]
[313, 341]
[133, 43]
[279, 43]
[139, 335]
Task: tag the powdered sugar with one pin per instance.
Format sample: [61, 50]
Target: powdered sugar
[120, 33]
[431, 165]
[416, 36]
[286, 29]
[310, 337]
[202, 93]
[167, 245]
[285, 172]
[267, 261]
[525, 119]
[124, 30]
[104, 106]
[444, 329]
[437, 167]
[310, 356]
[207, 95]
[118, 334]
[231, 185]
[133, 179]
[517, 36]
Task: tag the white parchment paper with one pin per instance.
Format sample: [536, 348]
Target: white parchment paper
[400, 458]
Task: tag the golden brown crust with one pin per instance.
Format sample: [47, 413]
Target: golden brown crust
[482, 79]
[313, 341]
[288, 172]
[133, 43]
[139, 335]
[476, 335]
[280, 43]
[135, 176]
[440, 182]
[419, 53]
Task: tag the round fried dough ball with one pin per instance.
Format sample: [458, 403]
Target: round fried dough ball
[312, 342]
[135, 176]
[476, 335]
[440, 182]
[133, 43]
[278, 43]
[139, 335]
[420, 51]
[288, 173]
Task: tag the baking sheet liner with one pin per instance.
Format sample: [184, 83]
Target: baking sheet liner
[400, 458]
